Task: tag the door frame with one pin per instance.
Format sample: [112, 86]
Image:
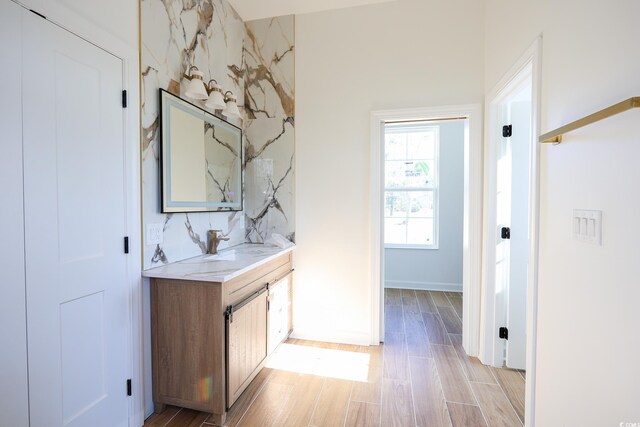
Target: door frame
[494, 312]
[528, 66]
[75, 23]
[472, 234]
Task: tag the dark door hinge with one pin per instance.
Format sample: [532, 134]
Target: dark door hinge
[503, 333]
[506, 131]
[129, 393]
[126, 244]
[505, 232]
[124, 99]
[228, 313]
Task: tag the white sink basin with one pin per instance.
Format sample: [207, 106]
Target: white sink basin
[223, 256]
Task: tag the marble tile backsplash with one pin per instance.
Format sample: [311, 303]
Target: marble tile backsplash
[269, 128]
[175, 35]
[254, 60]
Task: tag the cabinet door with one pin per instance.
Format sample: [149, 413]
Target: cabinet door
[246, 343]
[279, 312]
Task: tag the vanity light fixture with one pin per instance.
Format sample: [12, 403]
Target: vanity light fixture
[231, 109]
[196, 88]
[215, 100]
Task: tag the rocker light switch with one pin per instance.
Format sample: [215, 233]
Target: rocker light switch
[587, 226]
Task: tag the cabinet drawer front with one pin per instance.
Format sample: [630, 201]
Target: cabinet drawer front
[241, 287]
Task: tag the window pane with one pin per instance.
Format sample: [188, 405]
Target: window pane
[395, 174]
[421, 173]
[410, 173]
[431, 166]
[395, 147]
[421, 203]
[410, 163]
[395, 231]
[396, 204]
[420, 231]
[421, 145]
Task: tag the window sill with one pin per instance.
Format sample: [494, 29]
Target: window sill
[420, 247]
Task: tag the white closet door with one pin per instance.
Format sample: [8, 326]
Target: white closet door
[14, 410]
[77, 296]
[521, 142]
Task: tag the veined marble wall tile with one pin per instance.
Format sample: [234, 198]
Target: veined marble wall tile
[269, 128]
[175, 35]
[269, 180]
[269, 61]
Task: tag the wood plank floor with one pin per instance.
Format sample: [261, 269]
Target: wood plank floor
[419, 377]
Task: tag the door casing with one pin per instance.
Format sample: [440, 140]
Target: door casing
[14, 403]
[528, 66]
[472, 226]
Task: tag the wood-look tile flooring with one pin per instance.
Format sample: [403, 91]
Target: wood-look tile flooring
[421, 376]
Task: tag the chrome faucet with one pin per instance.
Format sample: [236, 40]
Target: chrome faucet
[213, 240]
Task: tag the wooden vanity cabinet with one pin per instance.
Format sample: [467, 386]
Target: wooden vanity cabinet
[210, 339]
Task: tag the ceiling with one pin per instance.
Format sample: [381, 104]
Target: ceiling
[258, 9]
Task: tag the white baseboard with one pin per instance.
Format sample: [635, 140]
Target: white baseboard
[339, 337]
[423, 286]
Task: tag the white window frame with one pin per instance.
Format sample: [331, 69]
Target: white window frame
[434, 187]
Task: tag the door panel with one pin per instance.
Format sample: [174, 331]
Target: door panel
[83, 353]
[519, 242]
[246, 344]
[503, 219]
[512, 211]
[14, 409]
[77, 298]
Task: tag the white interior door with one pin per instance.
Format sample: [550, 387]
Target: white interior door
[521, 140]
[503, 216]
[512, 212]
[77, 295]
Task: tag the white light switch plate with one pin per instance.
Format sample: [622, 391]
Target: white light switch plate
[587, 226]
[154, 234]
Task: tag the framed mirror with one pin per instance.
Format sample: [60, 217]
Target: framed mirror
[201, 157]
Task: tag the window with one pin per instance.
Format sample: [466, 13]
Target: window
[411, 185]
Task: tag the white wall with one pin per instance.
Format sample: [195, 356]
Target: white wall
[588, 341]
[412, 53]
[437, 269]
[14, 408]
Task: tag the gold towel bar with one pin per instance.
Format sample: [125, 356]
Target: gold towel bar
[556, 135]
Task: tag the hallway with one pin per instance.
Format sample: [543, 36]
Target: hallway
[419, 377]
[424, 333]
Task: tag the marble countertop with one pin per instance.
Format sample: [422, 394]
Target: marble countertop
[227, 264]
